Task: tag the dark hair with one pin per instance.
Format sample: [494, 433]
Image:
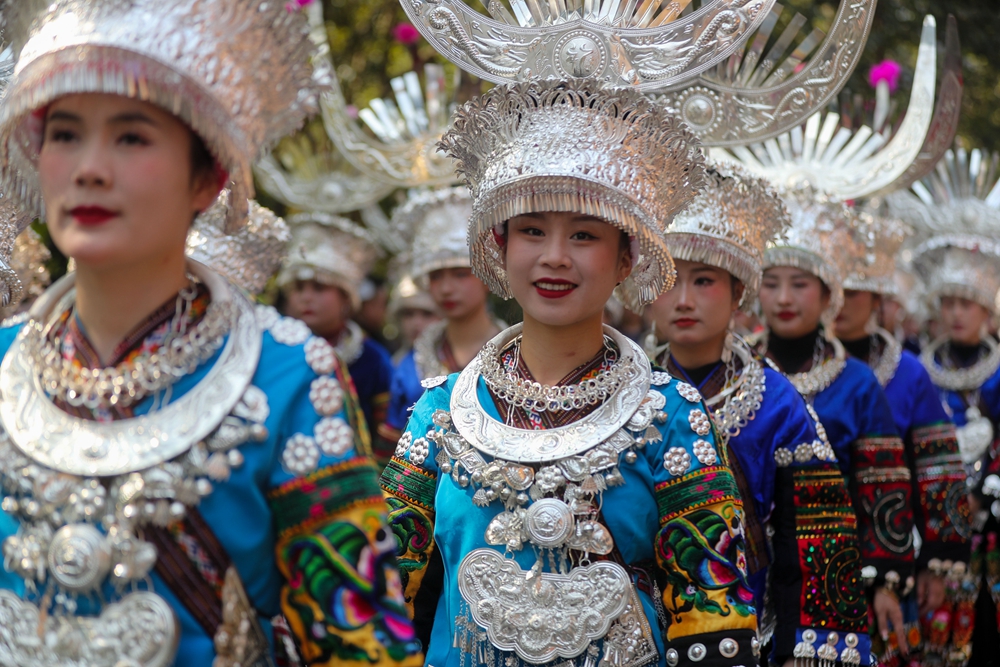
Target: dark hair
[202, 161]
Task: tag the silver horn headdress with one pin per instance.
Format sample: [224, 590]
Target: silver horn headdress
[618, 43]
[237, 72]
[958, 212]
[575, 146]
[881, 237]
[437, 222]
[730, 224]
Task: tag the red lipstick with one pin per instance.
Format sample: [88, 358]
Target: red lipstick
[92, 215]
[553, 288]
[786, 315]
[685, 322]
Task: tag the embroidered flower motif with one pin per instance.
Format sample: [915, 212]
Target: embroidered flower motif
[266, 316]
[326, 396]
[660, 379]
[419, 451]
[677, 461]
[301, 455]
[437, 381]
[705, 452]
[403, 445]
[783, 457]
[699, 421]
[688, 392]
[334, 436]
[320, 356]
[289, 331]
[804, 452]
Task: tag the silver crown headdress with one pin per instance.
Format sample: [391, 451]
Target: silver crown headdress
[729, 225]
[330, 250]
[575, 146]
[237, 72]
[957, 208]
[613, 41]
[823, 239]
[881, 238]
[437, 221]
[247, 258]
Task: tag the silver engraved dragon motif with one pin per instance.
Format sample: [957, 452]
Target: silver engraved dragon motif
[647, 58]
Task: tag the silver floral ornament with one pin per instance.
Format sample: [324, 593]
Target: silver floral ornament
[326, 396]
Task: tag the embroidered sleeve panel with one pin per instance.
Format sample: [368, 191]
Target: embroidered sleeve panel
[815, 583]
[943, 517]
[343, 593]
[701, 552]
[882, 496]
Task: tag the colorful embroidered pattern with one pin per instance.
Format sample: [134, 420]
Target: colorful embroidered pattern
[944, 506]
[833, 592]
[307, 501]
[407, 481]
[344, 596]
[882, 491]
[705, 486]
[702, 553]
[414, 532]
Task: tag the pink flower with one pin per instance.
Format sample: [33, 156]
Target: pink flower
[294, 5]
[404, 33]
[888, 71]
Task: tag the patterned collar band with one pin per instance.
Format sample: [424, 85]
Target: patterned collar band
[240, 83]
[575, 146]
[729, 225]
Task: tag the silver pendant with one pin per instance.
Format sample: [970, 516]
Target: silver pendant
[140, 630]
[545, 616]
[79, 557]
[974, 437]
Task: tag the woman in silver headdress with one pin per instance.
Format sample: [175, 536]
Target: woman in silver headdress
[178, 466]
[960, 267]
[558, 500]
[438, 222]
[789, 469]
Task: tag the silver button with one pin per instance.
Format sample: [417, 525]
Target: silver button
[697, 652]
[673, 657]
[729, 648]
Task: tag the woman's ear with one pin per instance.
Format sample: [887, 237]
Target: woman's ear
[824, 297]
[624, 264]
[739, 289]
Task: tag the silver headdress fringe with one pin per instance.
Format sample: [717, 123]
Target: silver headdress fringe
[247, 258]
[574, 146]
[437, 223]
[237, 72]
[881, 238]
[961, 265]
[823, 240]
[330, 250]
[729, 225]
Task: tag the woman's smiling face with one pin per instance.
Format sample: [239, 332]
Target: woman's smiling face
[563, 267]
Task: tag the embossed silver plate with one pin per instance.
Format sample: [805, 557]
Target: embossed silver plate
[592, 46]
[547, 616]
[51, 437]
[495, 438]
[139, 631]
